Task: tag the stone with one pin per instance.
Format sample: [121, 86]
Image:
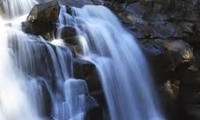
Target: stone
[167, 56]
[193, 111]
[42, 20]
[68, 32]
[86, 70]
[159, 58]
[181, 51]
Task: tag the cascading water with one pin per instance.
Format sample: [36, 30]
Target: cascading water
[122, 68]
[14, 8]
[36, 77]
[14, 98]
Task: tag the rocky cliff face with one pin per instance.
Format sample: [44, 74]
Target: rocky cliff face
[168, 32]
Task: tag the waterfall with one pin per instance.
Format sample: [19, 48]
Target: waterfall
[15, 103]
[36, 76]
[123, 70]
[14, 8]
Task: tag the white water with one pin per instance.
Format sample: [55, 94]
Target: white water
[122, 67]
[14, 98]
[14, 8]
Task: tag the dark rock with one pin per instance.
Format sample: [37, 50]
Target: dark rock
[42, 20]
[77, 3]
[68, 32]
[193, 111]
[95, 114]
[69, 10]
[181, 51]
[72, 41]
[125, 1]
[170, 100]
[86, 70]
[190, 94]
[160, 58]
[169, 60]
[169, 55]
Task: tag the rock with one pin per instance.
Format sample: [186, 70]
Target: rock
[171, 89]
[86, 70]
[169, 60]
[44, 12]
[160, 58]
[68, 32]
[190, 94]
[168, 54]
[76, 3]
[69, 35]
[181, 51]
[42, 20]
[95, 114]
[170, 99]
[125, 1]
[193, 111]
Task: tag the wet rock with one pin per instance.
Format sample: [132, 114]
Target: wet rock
[69, 34]
[86, 70]
[42, 20]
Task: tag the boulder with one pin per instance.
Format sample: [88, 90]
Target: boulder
[68, 31]
[193, 111]
[86, 70]
[181, 51]
[160, 60]
[167, 56]
[69, 35]
[42, 20]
